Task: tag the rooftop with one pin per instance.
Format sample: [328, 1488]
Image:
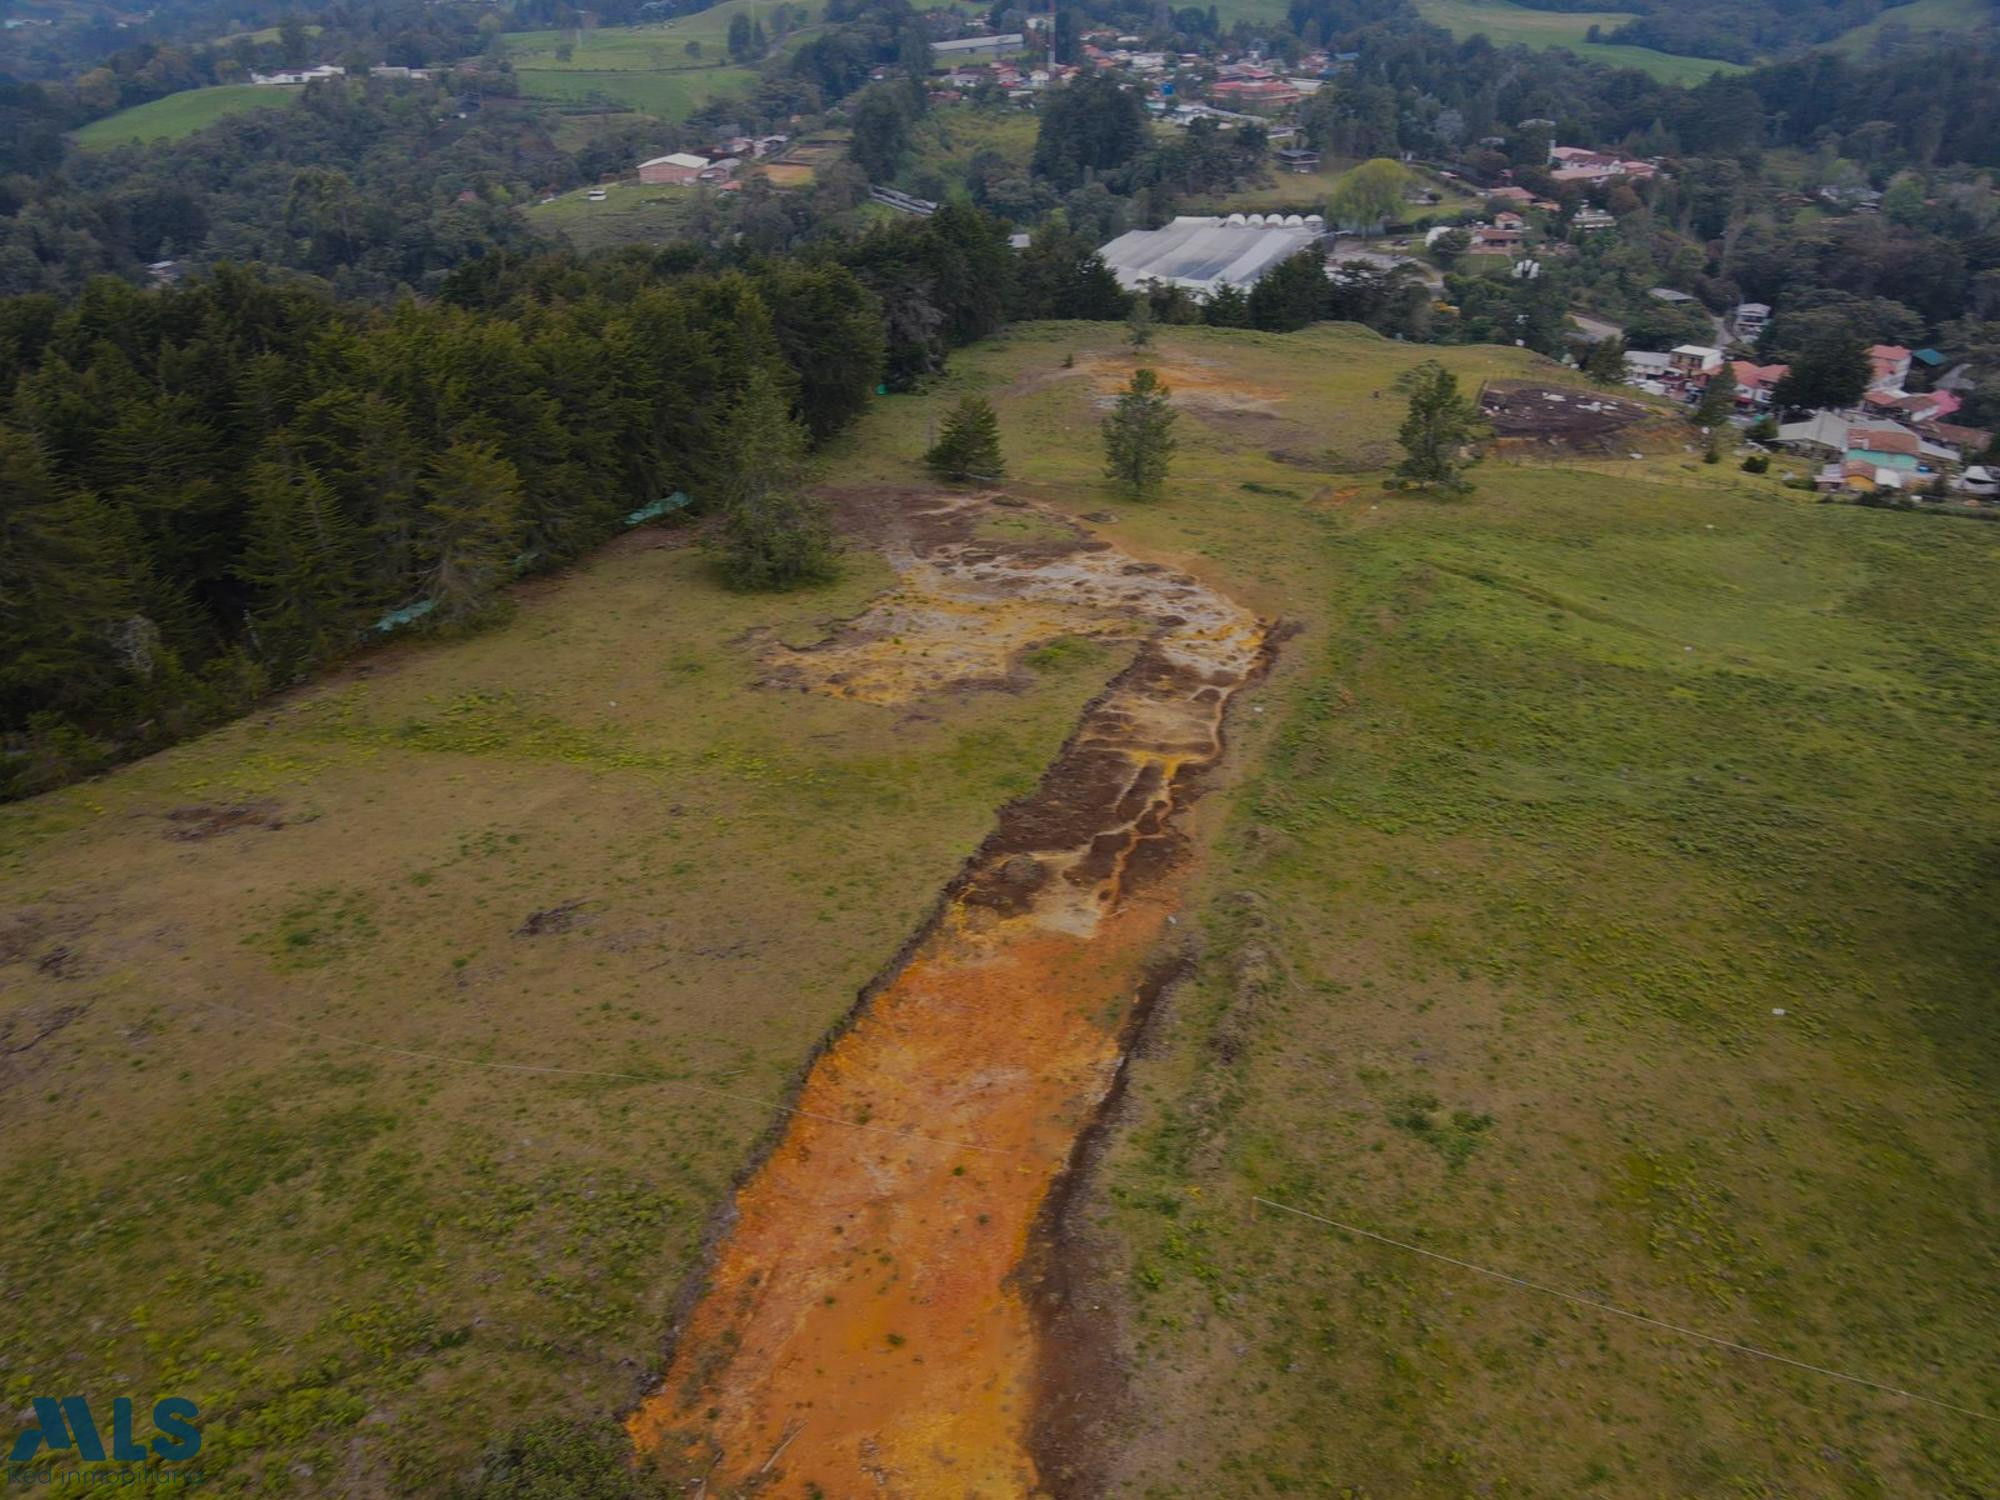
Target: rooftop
[1203, 253]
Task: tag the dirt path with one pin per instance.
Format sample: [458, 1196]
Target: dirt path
[861, 1332]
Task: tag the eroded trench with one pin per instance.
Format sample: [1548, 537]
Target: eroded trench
[862, 1329]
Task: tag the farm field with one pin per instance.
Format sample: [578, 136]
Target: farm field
[1919, 16]
[630, 214]
[1597, 888]
[182, 114]
[647, 68]
[1509, 25]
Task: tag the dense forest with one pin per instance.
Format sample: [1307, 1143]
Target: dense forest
[211, 489]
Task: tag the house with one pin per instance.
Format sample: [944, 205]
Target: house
[1694, 361]
[1883, 447]
[294, 77]
[1669, 296]
[1754, 382]
[1298, 159]
[1891, 364]
[1492, 239]
[677, 168]
[1508, 220]
[1981, 481]
[1584, 220]
[1822, 432]
[1647, 370]
[1964, 439]
[1927, 406]
[1002, 45]
[1518, 196]
[1748, 319]
[391, 70]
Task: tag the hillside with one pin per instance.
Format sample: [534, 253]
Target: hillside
[179, 115]
[1509, 25]
[648, 68]
[1593, 882]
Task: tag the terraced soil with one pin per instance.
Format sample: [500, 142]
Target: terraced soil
[864, 1328]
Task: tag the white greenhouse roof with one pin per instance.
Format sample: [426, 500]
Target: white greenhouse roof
[1203, 254]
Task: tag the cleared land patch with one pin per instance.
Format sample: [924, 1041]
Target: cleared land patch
[646, 68]
[183, 114]
[1509, 25]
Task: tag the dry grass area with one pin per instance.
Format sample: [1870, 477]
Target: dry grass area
[267, 996]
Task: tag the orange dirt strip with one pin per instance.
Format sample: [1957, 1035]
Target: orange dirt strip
[860, 1334]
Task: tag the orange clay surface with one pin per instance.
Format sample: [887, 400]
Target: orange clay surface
[860, 1333]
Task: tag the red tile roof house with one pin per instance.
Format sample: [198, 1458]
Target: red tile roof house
[1892, 365]
[1930, 406]
[1754, 381]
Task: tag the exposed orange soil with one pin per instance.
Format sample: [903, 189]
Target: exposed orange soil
[1191, 381]
[860, 1333]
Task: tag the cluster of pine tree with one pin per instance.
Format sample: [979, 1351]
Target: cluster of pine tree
[211, 490]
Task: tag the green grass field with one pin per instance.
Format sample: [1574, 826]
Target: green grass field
[1556, 797]
[1959, 17]
[1561, 795]
[1509, 25]
[631, 214]
[647, 68]
[182, 114]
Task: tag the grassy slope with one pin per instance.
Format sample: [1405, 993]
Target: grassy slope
[1919, 16]
[362, 1264]
[645, 67]
[1514, 25]
[182, 114]
[1511, 845]
[630, 214]
[1560, 792]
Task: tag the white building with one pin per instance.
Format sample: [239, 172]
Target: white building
[1204, 254]
[1003, 45]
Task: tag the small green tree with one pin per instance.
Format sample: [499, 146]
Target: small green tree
[1139, 323]
[969, 446]
[1439, 424]
[1451, 247]
[774, 536]
[1227, 308]
[1718, 398]
[1139, 437]
[1605, 363]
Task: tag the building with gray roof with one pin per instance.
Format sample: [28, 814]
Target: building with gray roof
[1204, 254]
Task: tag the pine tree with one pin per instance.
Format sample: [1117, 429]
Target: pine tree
[1605, 363]
[1139, 322]
[969, 446]
[472, 505]
[1228, 308]
[1439, 424]
[302, 558]
[774, 536]
[1139, 437]
[1718, 398]
[65, 590]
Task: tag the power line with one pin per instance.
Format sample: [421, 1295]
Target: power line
[1606, 1307]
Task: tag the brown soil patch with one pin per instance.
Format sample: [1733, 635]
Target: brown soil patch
[1193, 383]
[1523, 414]
[193, 824]
[787, 174]
[865, 1327]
